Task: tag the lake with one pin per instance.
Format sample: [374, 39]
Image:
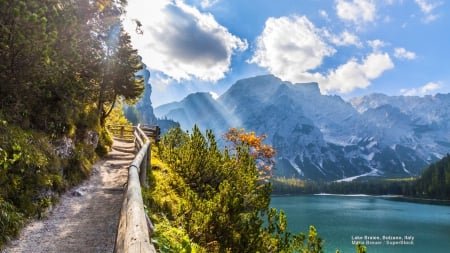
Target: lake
[385, 226]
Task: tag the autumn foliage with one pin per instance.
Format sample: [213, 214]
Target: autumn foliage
[263, 154]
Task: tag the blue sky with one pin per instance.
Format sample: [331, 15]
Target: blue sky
[350, 47]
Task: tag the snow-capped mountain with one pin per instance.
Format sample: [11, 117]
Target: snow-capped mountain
[323, 137]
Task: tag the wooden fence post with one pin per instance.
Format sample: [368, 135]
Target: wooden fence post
[143, 169]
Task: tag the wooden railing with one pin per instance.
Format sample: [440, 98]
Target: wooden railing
[122, 131]
[134, 225]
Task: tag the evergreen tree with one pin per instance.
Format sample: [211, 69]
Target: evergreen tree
[226, 198]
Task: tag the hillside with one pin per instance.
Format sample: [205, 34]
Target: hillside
[64, 65]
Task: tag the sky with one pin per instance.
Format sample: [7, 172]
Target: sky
[349, 47]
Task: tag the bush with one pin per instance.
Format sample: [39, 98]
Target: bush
[206, 200]
[11, 220]
[104, 143]
[30, 177]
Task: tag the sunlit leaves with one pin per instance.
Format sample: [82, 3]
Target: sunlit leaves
[263, 154]
[226, 208]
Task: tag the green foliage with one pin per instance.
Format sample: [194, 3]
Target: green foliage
[30, 174]
[117, 116]
[105, 142]
[58, 58]
[11, 220]
[170, 239]
[435, 181]
[62, 63]
[215, 200]
[79, 164]
[360, 248]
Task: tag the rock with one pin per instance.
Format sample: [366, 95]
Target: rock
[77, 193]
[64, 147]
[91, 138]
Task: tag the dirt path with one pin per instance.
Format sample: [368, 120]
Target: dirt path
[86, 218]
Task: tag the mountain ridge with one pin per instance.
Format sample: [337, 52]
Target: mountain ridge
[323, 137]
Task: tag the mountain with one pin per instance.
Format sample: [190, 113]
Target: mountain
[323, 137]
[144, 105]
[197, 108]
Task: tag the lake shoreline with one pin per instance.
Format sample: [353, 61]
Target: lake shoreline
[400, 198]
[441, 202]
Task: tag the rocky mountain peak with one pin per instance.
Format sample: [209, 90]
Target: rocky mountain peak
[323, 137]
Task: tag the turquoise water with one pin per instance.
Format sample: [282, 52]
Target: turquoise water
[385, 226]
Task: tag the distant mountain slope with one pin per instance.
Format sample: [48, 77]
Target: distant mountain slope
[197, 108]
[324, 137]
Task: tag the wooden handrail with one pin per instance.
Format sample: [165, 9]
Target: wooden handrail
[133, 230]
[122, 131]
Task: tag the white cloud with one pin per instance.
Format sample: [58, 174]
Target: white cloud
[182, 42]
[427, 8]
[402, 53]
[356, 11]
[354, 74]
[376, 45]
[344, 39]
[289, 47]
[214, 95]
[208, 3]
[391, 2]
[295, 57]
[427, 89]
[324, 14]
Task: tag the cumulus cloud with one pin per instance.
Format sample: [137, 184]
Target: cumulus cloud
[402, 53]
[376, 45]
[181, 41]
[354, 74]
[427, 8]
[346, 38]
[289, 47]
[356, 11]
[297, 57]
[427, 89]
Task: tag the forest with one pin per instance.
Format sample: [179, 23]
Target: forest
[432, 184]
[63, 67]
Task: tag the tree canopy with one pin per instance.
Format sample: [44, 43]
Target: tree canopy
[207, 200]
[61, 60]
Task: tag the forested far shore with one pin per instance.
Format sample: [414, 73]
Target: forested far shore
[432, 184]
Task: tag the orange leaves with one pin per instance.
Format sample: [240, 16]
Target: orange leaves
[263, 154]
